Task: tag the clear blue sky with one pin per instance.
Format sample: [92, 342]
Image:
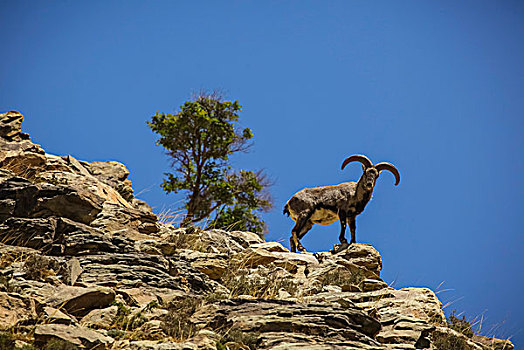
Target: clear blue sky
[434, 87]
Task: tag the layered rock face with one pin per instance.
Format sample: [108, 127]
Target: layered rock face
[85, 263]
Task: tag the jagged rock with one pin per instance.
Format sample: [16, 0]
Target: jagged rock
[79, 301]
[246, 238]
[59, 236]
[274, 253]
[363, 255]
[421, 303]
[155, 247]
[17, 152]
[86, 184]
[33, 233]
[52, 315]
[73, 271]
[15, 309]
[45, 200]
[142, 297]
[114, 174]
[70, 171]
[408, 315]
[133, 223]
[493, 343]
[11, 125]
[342, 273]
[210, 241]
[80, 239]
[275, 321]
[444, 337]
[139, 270]
[152, 330]
[156, 345]
[211, 264]
[100, 318]
[79, 336]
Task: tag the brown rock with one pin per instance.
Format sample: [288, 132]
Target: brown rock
[276, 322]
[52, 315]
[10, 126]
[45, 199]
[15, 309]
[73, 270]
[363, 255]
[493, 343]
[100, 318]
[17, 152]
[79, 301]
[79, 336]
[115, 175]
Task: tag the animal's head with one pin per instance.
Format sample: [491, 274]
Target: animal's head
[370, 171]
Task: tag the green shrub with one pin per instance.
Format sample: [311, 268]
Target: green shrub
[460, 325]
[127, 322]
[116, 333]
[6, 341]
[176, 322]
[343, 278]
[60, 345]
[237, 336]
[266, 283]
[448, 341]
[27, 347]
[38, 267]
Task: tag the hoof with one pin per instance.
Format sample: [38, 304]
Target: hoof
[339, 247]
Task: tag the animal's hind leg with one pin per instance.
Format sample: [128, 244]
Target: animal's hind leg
[298, 232]
[303, 232]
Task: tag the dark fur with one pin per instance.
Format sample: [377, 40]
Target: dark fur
[324, 205]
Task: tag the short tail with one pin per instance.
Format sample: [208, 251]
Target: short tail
[286, 209]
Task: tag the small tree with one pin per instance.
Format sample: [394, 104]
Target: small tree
[200, 138]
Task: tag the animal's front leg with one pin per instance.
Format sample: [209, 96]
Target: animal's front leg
[353, 229]
[292, 245]
[342, 237]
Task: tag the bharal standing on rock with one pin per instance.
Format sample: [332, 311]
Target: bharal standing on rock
[327, 204]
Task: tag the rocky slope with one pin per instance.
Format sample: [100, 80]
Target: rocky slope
[85, 264]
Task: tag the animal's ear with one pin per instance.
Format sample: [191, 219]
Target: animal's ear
[363, 168]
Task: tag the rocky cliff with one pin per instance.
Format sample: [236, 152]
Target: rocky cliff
[85, 264]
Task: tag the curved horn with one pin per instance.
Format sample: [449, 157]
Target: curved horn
[390, 167]
[357, 158]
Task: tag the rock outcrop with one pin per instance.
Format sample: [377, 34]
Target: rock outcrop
[85, 263]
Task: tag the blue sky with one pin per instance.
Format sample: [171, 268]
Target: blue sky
[437, 88]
